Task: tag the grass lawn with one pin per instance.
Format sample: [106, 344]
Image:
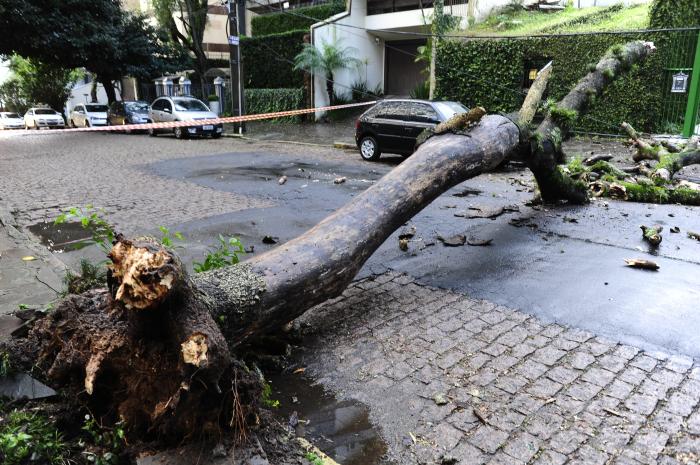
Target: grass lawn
[513, 23]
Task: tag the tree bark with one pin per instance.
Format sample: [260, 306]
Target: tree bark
[109, 89]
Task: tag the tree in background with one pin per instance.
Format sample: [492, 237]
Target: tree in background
[185, 22]
[676, 13]
[12, 97]
[42, 83]
[331, 58]
[97, 35]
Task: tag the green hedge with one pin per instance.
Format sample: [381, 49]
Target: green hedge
[275, 23]
[490, 73]
[268, 60]
[674, 13]
[271, 100]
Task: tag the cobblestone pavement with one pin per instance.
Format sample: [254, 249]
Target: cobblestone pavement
[44, 174]
[516, 389]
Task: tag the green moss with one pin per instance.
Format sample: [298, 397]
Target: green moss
[609, 74]
[617, 50]
[592, 67]
[603, 167]
[564, 117]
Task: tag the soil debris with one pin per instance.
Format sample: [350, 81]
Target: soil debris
[270, 240]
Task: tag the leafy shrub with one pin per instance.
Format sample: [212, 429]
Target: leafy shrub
[225, 254]
[28, 437]
[268, 60]
[272, 100]
[489, 73]
[362, 93]
[421, 91]
[91, 276]
[678, 13]
[275, 23]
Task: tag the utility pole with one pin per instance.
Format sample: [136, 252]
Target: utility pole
[236, 25]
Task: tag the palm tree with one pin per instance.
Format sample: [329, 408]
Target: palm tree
[331, 58]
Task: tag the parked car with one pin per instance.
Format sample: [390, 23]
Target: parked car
[166, 109]
[10, 120]
[128, 112]
[393, 125]
[85, 115]
[43, 118]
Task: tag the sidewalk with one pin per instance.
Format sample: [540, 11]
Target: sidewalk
[23, 280]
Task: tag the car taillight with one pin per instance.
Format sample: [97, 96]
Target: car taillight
[357, 124]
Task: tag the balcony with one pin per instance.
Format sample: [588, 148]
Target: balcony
[378, 7]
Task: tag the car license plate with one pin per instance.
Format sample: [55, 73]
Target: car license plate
[208, 127]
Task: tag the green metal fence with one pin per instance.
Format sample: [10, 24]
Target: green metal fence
[679, 106]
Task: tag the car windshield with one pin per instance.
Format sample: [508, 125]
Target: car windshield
[44, 111]
[137, 107]
[96, 108]
[449, 109]
[11, 115]
[189, 104]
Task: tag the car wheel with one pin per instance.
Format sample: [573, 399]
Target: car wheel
[87, 124]
[180, 133]
[369, 149]
[152, 132]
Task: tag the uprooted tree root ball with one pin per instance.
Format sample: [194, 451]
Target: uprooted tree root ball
[146, 353]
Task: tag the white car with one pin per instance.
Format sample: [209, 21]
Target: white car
[43, 118]
[86, 115]
[166, 109]
[11, 121]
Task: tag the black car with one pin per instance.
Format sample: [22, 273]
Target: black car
[128, 112]
[393, 125]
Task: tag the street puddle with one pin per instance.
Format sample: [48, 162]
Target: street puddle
[341, 429]
[65, 237]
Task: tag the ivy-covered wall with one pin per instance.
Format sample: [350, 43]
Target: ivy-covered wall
[674, 13]
[271, 100]
[491, 72]
[268, 60]
[295, 19]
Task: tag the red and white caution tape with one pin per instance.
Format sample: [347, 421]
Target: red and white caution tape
[207, 122]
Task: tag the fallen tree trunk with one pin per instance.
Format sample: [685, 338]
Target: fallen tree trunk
[149, 351]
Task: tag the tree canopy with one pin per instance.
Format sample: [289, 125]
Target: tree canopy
[97, 35]
[36, 82]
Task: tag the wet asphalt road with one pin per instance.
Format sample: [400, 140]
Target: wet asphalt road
[563, 264]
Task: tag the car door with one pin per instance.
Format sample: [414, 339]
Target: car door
[423, 116]
[390, 126]
[157, 110]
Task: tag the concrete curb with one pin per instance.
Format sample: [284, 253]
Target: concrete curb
[336, 145]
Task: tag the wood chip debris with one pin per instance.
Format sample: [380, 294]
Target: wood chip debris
[694, 235]
[479, 242]
[642, 264]
[282, 180]
[340, 180]
[453, 241]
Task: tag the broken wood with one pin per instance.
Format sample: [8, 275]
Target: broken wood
[652, 234]
[545, 146]
[641, 263]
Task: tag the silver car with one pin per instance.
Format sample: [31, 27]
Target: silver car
[86, 115]
[10, 121]
[168, 109]
[43, 118]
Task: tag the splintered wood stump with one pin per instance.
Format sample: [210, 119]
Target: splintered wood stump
[146, 352]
